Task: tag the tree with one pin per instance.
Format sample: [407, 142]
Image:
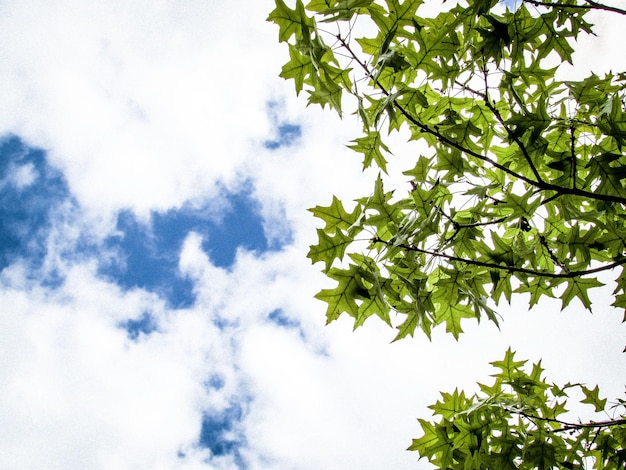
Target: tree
[518, 189]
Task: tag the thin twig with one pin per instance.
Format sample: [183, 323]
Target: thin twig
[509, 132]
[574, 170]
[573, 426]
[591, 5]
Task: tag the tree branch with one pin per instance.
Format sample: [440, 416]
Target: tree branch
[574, 171]
[591, 5]
[508, 268]
[572, 426]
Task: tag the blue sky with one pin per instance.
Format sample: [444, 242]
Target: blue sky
[157, 302]
[143, 254]
[29, 190]
[147, 253]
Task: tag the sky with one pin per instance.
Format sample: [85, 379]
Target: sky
[156, 302]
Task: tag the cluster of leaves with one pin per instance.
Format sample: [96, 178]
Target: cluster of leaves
[519, 189]
[516, 423]
[520, 186]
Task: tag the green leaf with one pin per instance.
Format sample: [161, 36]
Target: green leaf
[370, 146]
[540, 453]
[450, 404]
[343, 297]
[374, 305]
[521, 205]
[513, 424]
[298, 68]
[577, 288]
[326, 93]
[537, 289]
[434, 444]
[381, 211]
[291, 22]
[513, 181]
[592, 398]
[344, 10]
[509, 366]
[329, 248]
[335, 216]
[421, 169]
[418, 317]
[608, 172]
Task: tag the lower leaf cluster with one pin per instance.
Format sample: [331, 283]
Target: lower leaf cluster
[515, 424]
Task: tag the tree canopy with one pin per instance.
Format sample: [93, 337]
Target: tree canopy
[517, 187]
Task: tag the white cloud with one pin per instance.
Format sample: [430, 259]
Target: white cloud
[78, 393]
[22, 176]
[145, 104]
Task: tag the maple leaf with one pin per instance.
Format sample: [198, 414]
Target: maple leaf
[343, 297]
[434, 444]
[290, 22]
[592, 398]
[508, 365]
[298, 68]
[452, 314]
[335, 216]
[536, 289]
[577, 288]
[329, 248]
[370, 146]
[450, 404]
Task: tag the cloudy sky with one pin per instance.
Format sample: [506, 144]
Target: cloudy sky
[156, 304]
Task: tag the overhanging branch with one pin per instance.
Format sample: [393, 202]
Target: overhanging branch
[508, 268]
[565, 426]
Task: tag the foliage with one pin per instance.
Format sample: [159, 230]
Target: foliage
[520, 187]
[517, 186]
[516, 423]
